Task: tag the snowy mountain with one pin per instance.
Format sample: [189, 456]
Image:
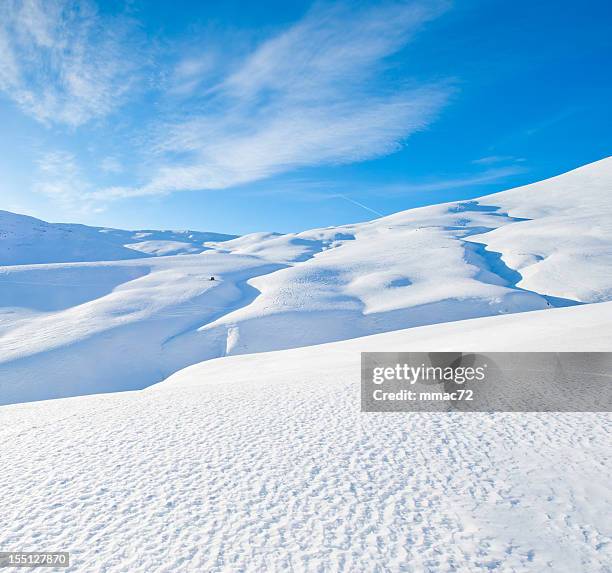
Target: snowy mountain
[78, 328]
[246, 460]
[26, 240]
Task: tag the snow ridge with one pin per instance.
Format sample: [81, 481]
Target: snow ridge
[26, 240]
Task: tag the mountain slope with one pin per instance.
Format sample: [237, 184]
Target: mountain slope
[546, 244]
[532, 248]
[565, 247]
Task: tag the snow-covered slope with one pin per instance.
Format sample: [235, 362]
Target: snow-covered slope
[264, 463]
[26, 240]
[92, 327]
[433, 264]
[130, 323]
[565, 247]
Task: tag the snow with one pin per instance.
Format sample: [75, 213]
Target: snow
[87, 327]
[263, 462]
[114, 342]
[215, 425]
[564, 249]
[26, 240]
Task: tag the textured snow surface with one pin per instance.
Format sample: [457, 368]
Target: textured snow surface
[73, 328]
[263, 462]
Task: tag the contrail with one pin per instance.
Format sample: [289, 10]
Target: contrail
[360, 204]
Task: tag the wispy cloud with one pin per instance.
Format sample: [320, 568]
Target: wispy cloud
[62, 62]
[319, 190]
[482, 178]
[310, 95]
[190, 73]
[493, 159]
[111, 164]
[553, 120]
[60, 178]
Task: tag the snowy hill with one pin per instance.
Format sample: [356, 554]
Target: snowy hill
[26, 240]
[79, 328]
[565, 247]
[264, 463]
[249, 460]
[551, 245]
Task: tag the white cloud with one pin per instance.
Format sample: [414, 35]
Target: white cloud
[60, 178]
[62, 62]
[487, 176]
[111, 164]
[492, 159]
[312, 95]
[318, 190]
[191, 72]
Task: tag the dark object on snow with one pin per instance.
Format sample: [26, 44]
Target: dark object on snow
[212, 278]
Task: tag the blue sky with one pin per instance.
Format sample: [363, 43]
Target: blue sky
[243, 116]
